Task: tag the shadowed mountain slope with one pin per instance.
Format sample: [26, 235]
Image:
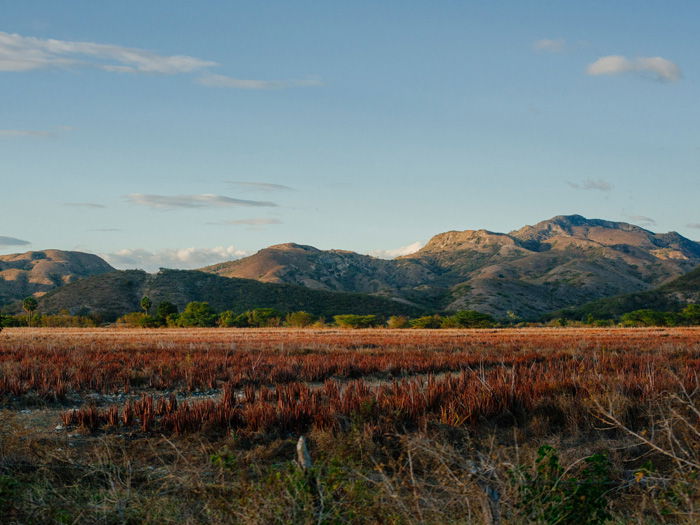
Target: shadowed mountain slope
[670, 297]
[113, 294]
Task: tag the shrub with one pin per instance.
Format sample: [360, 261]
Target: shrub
[299, 319]
[261, 317]
[646, 317]
[469, 319]
[356, 321]
[138, 320]
[397, 321]
[550, 494]
[427, 321]
[227, 319]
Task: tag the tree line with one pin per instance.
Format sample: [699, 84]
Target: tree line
[201, 314]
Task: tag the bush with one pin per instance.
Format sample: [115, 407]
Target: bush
[261, 317]
[356, 321]
[197, 313]
[138, 320]
[469, 319]
[65, 320]
[647, 317]
[299, 319]
[227, 319]
[550, 494]
[691, 314]
[397, 321]
[427, 321]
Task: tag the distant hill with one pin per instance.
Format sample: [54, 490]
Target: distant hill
[113, 294]
[35, 273]
[564, 261]
[670, 297]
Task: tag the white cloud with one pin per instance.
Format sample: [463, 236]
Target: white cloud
[184, 258]
[192, 201]
[12, 241]
[223, 81]
[550, 45]
[592, 184]
[262, 186]
[397, 252]
[21, 53]
[657, 68]
[694, 225]
[262, 221]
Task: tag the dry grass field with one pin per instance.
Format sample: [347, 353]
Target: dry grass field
[541, 425]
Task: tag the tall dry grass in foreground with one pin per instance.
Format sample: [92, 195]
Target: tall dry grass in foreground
[506, 426]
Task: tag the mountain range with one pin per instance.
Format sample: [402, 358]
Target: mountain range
[560, 262]
[563, 262]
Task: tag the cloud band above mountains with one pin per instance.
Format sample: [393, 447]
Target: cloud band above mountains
[185, 258]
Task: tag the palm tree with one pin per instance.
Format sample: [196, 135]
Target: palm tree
[146, 304]
[29, 305]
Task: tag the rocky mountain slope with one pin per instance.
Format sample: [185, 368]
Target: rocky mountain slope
[35, 273]
[564, 261]
[116, 293]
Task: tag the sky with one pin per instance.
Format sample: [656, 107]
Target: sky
[180, 134]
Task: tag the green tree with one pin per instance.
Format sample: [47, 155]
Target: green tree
[165, 309]
[197, 314]
[146, 304]
[29, 305]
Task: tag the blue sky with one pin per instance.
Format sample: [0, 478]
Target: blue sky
[183, 133]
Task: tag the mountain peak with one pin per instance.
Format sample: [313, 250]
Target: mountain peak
[292, 246]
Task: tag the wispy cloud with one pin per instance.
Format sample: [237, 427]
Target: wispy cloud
[92, 205]
[192, 201]
[247, 222]
[185, 258]
[12, 241]
[591, 184]
[694, 225]
[22, 53]
[261, 186]
[642, 219]
[397, 252]
[657, 68]
[550, 45]
[223, 81]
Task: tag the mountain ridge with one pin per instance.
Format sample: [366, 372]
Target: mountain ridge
[563, 261]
